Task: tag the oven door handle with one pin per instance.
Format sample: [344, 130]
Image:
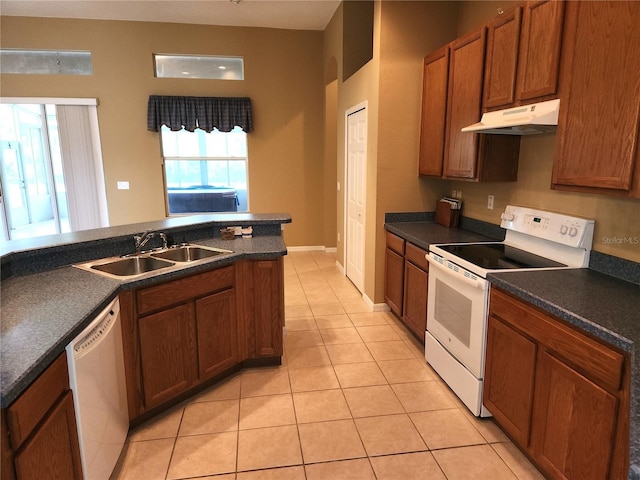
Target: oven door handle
[478, 283]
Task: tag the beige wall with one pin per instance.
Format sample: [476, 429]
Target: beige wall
[615, 218]
[391, 84]
[284, 78]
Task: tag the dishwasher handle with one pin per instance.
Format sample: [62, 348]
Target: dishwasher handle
[98, 328]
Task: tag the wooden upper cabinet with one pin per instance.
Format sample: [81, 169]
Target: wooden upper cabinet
[523, 55]
[466, 71]
[598, 128]
[503, 39]
[434, 112]
[540, 46]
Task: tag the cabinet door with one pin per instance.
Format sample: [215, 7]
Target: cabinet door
[540, 42]
[509, 379]
[466, 72]
[217, 330]
[503, 37]
[416, 282]
[598, 127]
[573, 424]
[268, 317]
[394, 281]
[167, 353]
[434, 112]
[53, 451]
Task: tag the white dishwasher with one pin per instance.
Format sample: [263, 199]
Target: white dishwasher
[96, 376]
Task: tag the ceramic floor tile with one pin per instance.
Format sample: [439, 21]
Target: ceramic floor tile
[284, 473]
[355, 353]
[307, 357]
[228, 389]
[389, 434]
[265, 382]
[320, 295]
[517, 462]
[391, 350]
[378, 333]
[406, 370]
[268, 447]
[305, 338]
[446, 429]
[372, 401]
[334, 321]
[320, 406]
[297, 311]
[423, 396]
[164, 425]
[313, 378]
[300, 324]
[368, 319]
[323, 309]
[209, 417]
[478, 462]
[199, 455]
[147, 460]
[486, 426]
[408, 466]
[327, 441]
[358, 469]
[355, 306]
[268, 411]
[335, 336]
[359, 374]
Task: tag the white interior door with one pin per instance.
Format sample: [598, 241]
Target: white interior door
[356, 195]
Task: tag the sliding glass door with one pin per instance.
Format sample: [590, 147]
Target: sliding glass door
[35, 173]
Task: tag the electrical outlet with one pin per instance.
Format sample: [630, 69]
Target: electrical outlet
[123, 185]
[490, 202]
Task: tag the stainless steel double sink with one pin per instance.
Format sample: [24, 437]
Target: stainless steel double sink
[139, 264]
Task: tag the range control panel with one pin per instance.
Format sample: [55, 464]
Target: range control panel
[556, 227]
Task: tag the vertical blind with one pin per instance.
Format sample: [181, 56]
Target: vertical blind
[205, 113]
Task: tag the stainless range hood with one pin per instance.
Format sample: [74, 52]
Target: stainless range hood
[525, 120]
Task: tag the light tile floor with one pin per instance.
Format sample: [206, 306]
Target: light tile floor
[354, 399]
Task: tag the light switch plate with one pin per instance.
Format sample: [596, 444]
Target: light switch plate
[123, 185]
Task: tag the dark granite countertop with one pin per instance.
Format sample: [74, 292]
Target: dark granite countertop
[601, 305]
[424, 234]
[42, 312]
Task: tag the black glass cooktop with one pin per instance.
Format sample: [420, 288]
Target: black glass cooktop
[496, 256]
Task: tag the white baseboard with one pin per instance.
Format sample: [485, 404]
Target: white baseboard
[313, 248]
[340, 267]
[375, 307]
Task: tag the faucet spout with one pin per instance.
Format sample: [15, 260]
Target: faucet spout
[142, 239]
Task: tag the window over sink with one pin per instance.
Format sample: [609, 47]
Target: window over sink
[205, 172]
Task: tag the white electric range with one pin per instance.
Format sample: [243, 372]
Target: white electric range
[458, 294]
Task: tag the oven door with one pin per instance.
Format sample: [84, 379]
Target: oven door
[457, 312]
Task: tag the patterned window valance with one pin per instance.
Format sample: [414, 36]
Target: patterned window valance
[205, 113]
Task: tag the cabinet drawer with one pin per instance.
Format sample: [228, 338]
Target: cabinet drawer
[395, 243]
[171, 293]
[591, 358]
[30, 408]
[417, 256]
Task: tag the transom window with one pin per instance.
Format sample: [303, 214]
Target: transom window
[205, 172]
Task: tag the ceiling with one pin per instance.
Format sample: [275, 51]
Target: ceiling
[288, 14]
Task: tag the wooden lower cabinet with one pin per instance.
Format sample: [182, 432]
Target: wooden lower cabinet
[217, 327]
[394, 281]
[573, 419]
[562, 396]
[40, 426]
[167, 353]
[509, 374]
[416, 286]
[53, 451]
[181, 333]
